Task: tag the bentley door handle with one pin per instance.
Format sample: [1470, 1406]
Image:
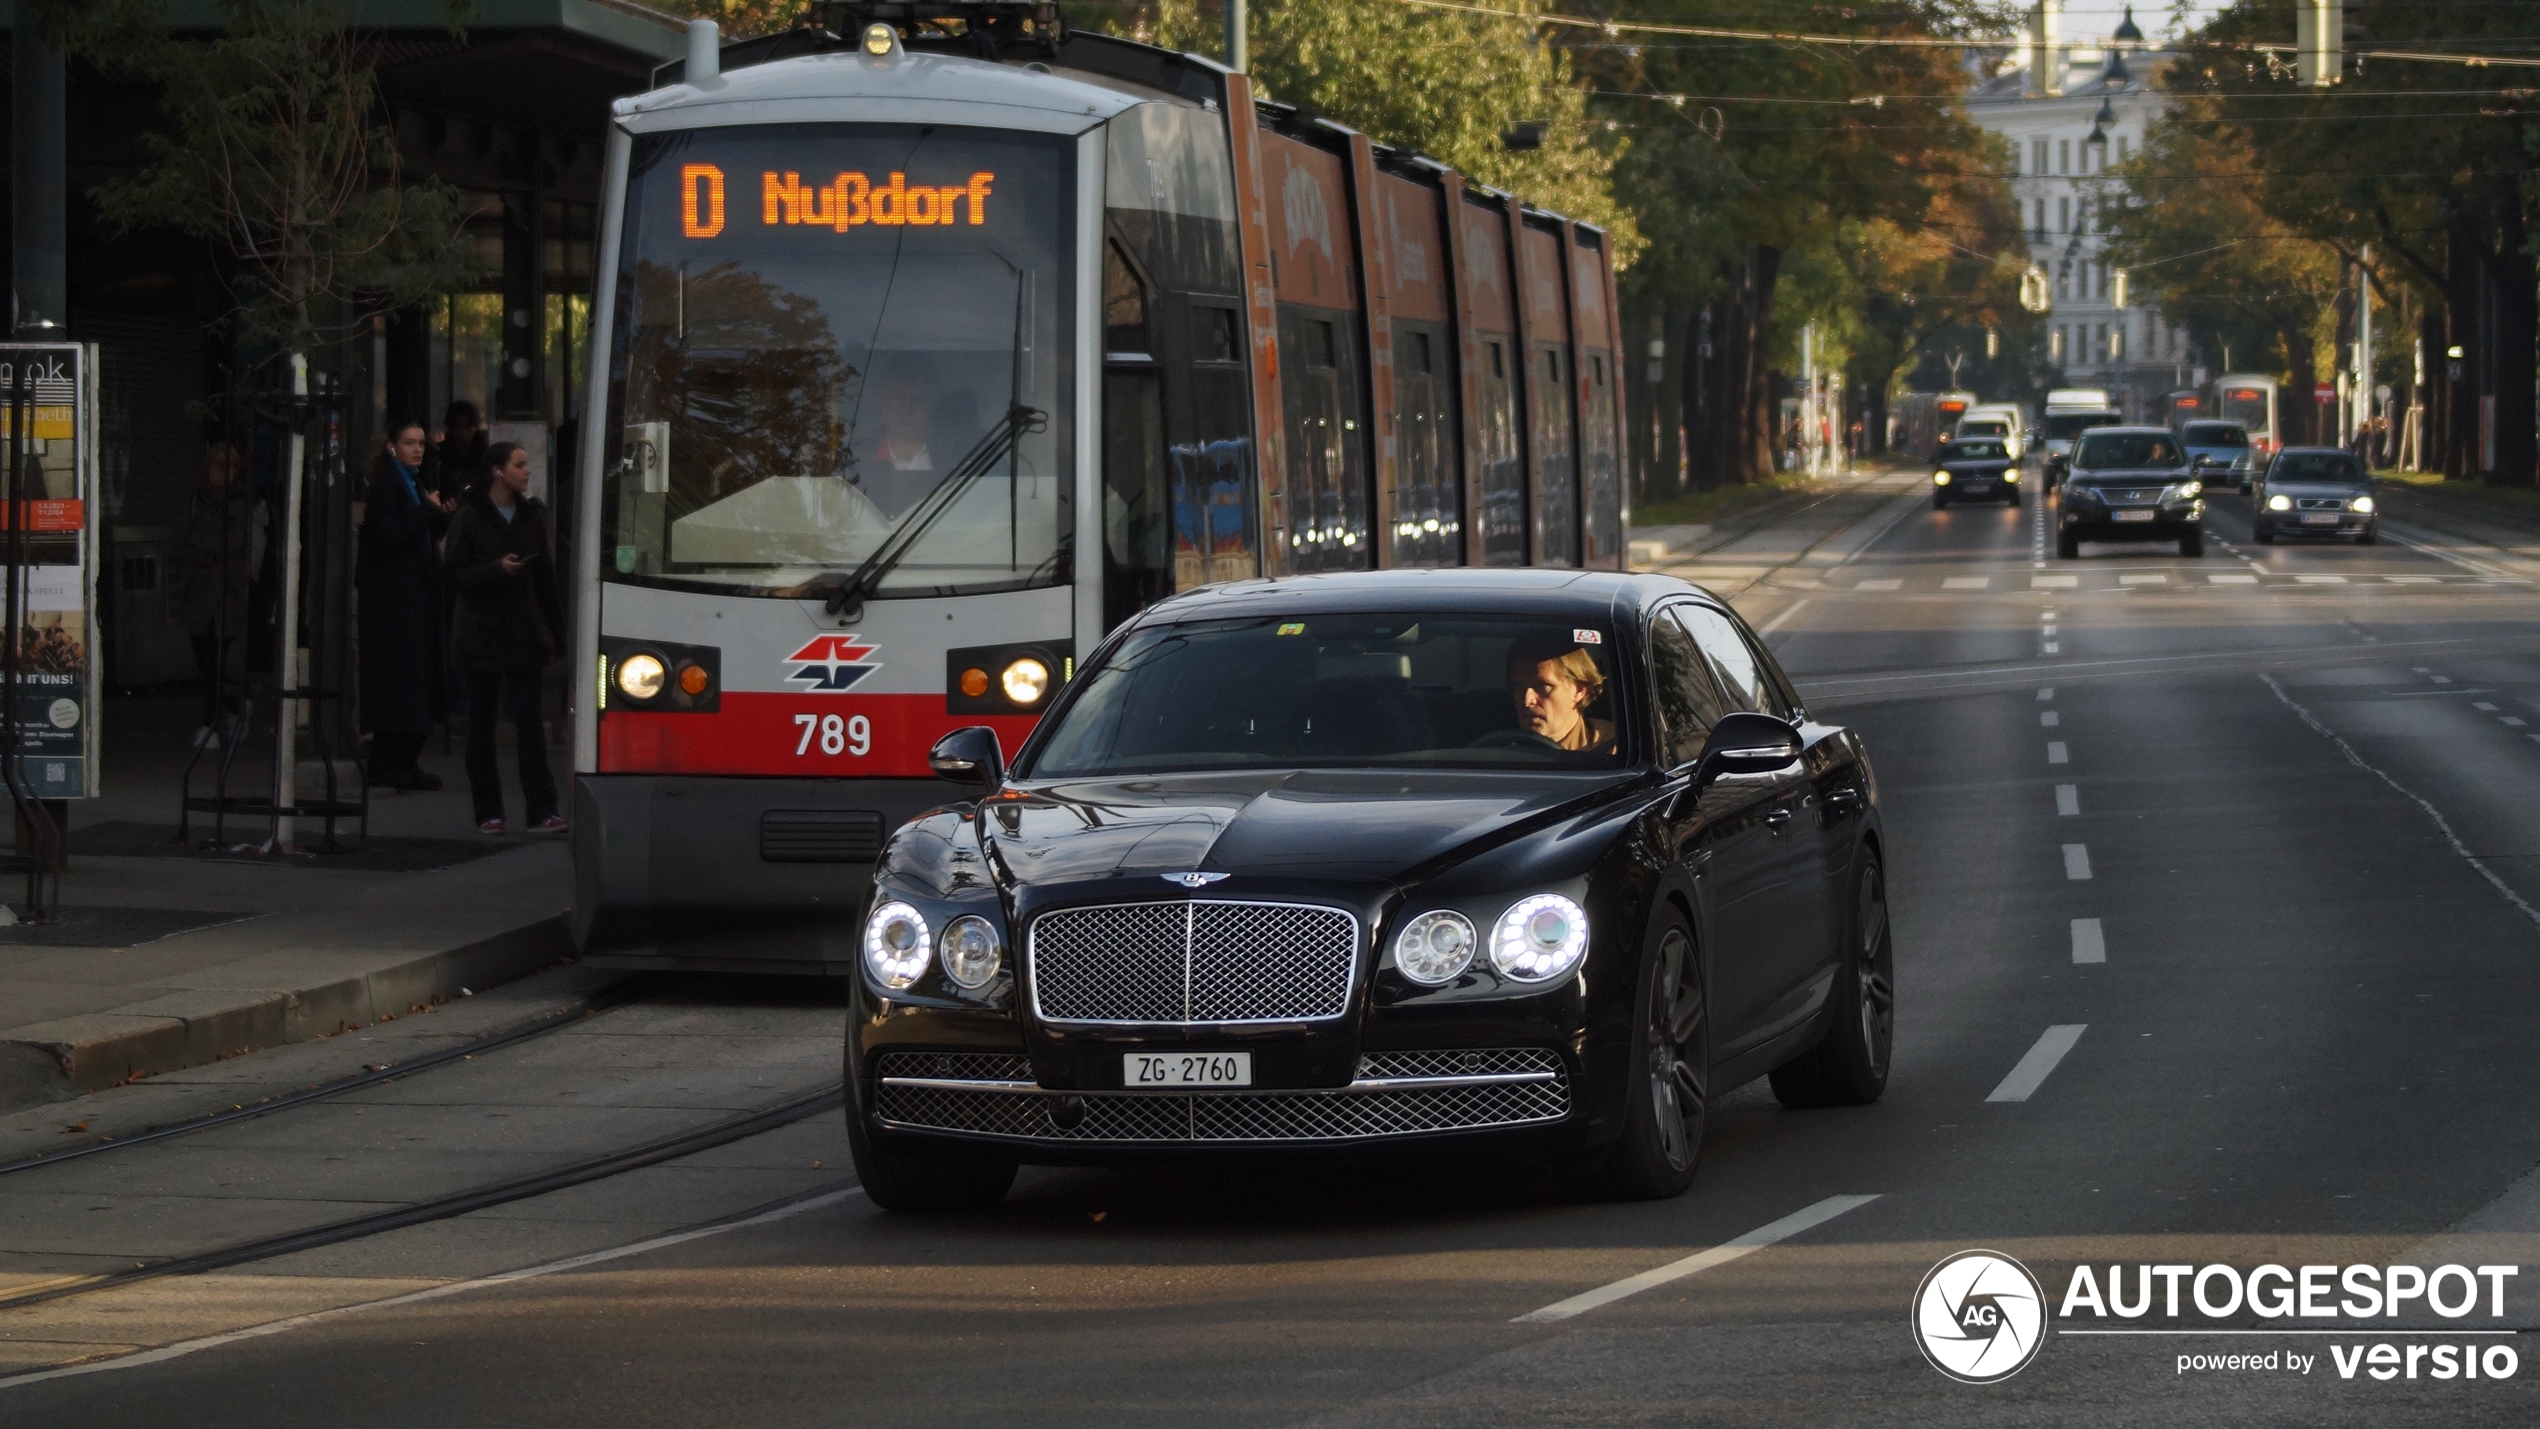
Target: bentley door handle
[1777, 818]
[1844, 800]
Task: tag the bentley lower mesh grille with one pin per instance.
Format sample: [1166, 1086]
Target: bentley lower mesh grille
[1193, 962]
[914, 1093]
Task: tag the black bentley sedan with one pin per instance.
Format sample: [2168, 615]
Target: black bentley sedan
[1522, 863]
[1974, 469]
[2130, 484]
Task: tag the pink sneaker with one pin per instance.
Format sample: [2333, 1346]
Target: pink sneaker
[552, 824]
[491, 828]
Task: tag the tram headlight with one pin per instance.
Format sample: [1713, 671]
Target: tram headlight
[640, 677]
[1025, 681]
[971, 951]
[897, 945]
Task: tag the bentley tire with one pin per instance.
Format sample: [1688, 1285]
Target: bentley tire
[897, 1182]
[1849, 1067]
[1669, 1098]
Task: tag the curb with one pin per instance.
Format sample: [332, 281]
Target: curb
[192, 1027]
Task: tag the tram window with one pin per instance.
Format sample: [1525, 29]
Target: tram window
[1136, 519]
[1320, 350]
[1552, 367]
[1498, 363]
[1124, 306]
[1596, 371]
[1213, 337]
[1416, 355]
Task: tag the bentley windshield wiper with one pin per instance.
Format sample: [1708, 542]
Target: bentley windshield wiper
[847, 593]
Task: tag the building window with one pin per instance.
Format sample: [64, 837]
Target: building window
[2121, 148]
[2064, 215]
[2041, 220]
[2099, 344]
[2063, 156]
[2037, 156]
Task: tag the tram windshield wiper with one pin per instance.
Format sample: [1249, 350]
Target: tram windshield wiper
[847, 593]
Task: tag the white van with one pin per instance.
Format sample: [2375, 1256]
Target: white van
[2002, 421]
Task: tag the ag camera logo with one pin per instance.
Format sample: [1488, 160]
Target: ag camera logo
[1980, 1317]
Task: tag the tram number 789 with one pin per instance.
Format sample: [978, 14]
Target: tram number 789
[850, 734]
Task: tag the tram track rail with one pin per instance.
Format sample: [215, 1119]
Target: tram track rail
[633, 990]
[800, 1106]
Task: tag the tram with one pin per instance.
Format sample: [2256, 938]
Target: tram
[2250, 400]
[936, 339]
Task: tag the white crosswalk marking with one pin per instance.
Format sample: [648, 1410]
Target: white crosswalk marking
[2053, 582]
[1966, 583]
[1879, 585]
[2223, 578]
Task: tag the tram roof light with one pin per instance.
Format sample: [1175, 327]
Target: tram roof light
[881, 41]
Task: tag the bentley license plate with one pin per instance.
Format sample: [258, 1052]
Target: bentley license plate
[2129, 515]
[1186, 1069]
[2320, 518]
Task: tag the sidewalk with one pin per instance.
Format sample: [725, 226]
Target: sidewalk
[164, 957]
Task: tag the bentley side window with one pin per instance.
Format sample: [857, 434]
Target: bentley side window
[1689, 698]
[1742, 676]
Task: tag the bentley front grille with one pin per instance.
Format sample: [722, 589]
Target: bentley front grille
[1395, 1094]
[1186, 962]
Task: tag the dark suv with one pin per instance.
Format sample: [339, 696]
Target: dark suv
[2130, 484]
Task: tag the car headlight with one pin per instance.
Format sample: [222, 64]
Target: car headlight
[641, 676]
[2010, 474]
[1435, 948]
[1940, 478]
[897, 944]
[971, 951]
[2191, 488]
[1539, 939]
[2279, 503]
[1025, 681]
[2362, 504]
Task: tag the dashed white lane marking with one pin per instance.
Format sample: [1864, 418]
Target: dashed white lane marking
[2440, 679]
[2414, 580]
[2049, 718]
[2053, 582]
[2229, 578]
[1879, 585]
[2509, 721]
[2054, 648]
[2420, 669]
[2056, 754]
[1778, 621]
[2089, 944]
[2033, 1069]
[438, 1292]
[1747, 1244]
[2045, 694]
[2048, 630]
[2443, 825]
[2077, 862]
[2321, 580]
[2068, 798]
[1966, 583]
[2143, 580]
[2482, 705]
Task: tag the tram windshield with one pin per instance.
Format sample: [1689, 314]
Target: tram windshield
[838, 340]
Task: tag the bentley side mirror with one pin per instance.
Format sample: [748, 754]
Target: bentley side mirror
[1746, 743]
[969, 755]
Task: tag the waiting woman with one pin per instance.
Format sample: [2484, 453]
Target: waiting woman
[399, 578]
[502, 567]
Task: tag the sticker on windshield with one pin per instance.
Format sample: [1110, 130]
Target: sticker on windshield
[1587, 637]
[1291, 627]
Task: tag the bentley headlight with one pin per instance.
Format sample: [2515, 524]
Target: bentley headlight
[641, 676]
[2279, 503]
[1435, 948]
[2362, 504]
[1940, 478]
[1025, 681]
[971, 952]
[896, 945]
[1539, 939]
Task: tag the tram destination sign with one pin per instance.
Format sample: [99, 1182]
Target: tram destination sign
[848, 200]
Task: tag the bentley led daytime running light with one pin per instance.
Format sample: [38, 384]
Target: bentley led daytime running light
[1539, 939]
[897, 945]
[972, 952]
[641, 676]
[1025, 681]
[1435, 948]
[2279, 503]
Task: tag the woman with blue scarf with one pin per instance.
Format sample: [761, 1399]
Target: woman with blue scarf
[399, 580]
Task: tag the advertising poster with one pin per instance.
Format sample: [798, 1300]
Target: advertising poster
[57, 691]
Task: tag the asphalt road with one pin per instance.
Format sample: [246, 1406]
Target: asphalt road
[2214, 885]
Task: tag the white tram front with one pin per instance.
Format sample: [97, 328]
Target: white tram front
[936, 339]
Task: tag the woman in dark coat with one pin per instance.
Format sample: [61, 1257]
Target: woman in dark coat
[501, 560]
[399, 578]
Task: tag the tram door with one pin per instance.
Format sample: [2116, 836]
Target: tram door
[1178, 453]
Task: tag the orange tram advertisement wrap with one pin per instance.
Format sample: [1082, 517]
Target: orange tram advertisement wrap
[936, 339]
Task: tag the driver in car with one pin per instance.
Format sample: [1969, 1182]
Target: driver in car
[1552, 683]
